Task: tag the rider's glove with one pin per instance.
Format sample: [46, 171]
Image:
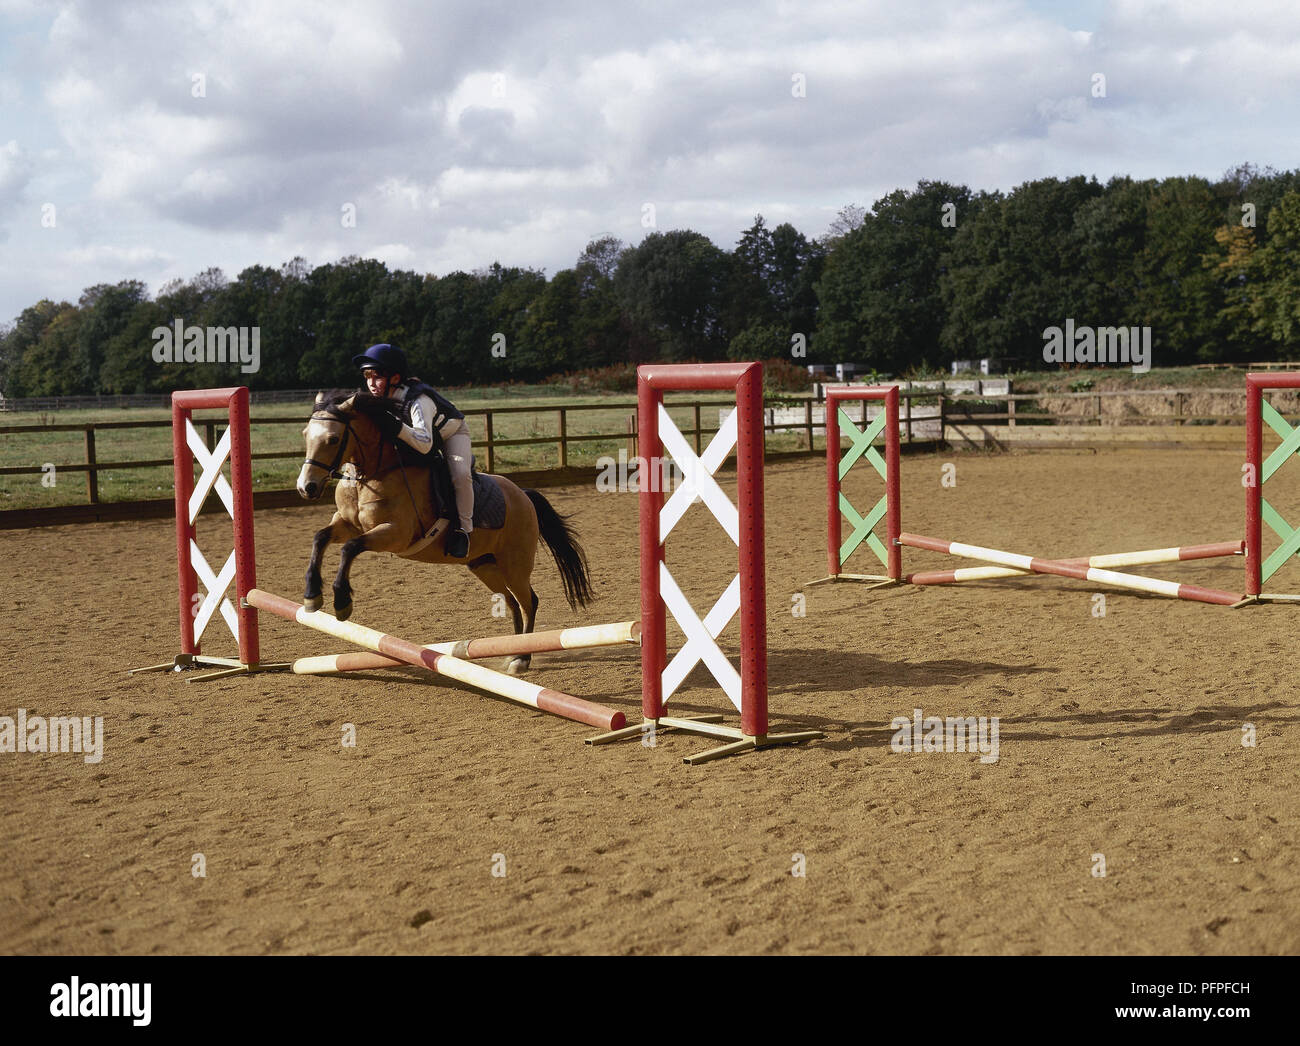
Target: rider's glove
[389, 425]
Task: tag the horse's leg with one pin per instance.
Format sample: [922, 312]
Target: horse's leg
[516, 553]
[491, 574]
[525, 599]
[338, 530]
[387, 537]
[516, 572]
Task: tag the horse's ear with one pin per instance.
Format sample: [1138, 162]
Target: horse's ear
[320, 397]
[348, 404]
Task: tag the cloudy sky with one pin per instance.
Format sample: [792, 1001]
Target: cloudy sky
[153, 140]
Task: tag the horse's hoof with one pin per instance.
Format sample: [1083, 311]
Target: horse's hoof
[342, 612]
[312, 605]
[517, 666]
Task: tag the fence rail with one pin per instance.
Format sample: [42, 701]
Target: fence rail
[36, 404]
[928, 415]
[488, 446]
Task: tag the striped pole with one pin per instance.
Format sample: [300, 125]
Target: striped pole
[1114, 559]
[1078, 571]
[584, 637]
[498, 683]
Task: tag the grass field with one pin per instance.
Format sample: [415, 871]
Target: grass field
[36, 449]
[270, 435]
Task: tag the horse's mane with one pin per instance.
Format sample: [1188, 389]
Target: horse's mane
[365, 402]
[331, 398]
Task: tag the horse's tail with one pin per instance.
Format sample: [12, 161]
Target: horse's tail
[570, 559]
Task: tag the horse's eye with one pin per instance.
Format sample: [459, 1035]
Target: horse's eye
[333, 440]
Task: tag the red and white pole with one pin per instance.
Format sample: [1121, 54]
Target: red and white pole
[1036, 565]
[542, 698]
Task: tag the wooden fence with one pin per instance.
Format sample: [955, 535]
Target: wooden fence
[920, 422]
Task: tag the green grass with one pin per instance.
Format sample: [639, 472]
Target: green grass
[1098, 379]
[541, 421]
[114, 445]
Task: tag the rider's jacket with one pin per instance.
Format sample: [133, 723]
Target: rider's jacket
[425, 411]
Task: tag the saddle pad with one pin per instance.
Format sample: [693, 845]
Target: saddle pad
[489, 503]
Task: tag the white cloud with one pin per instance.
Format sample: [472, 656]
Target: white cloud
[15, 170]
[15, 173]
[107, 254]
[465, 132]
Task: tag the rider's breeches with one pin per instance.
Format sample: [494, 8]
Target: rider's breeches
[459, 461]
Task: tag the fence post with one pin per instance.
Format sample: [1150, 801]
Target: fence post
[942, 400]
[697, 428]
[564, 448]
[1178, 408]
[1011, 411]
[807, 417]
[491, 450]
[909, 412]
[92, 476]
[1099, 411]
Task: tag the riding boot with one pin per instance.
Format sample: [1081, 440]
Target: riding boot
[457, 545]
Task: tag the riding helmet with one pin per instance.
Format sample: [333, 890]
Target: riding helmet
[385, 358]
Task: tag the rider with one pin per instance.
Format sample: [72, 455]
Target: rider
[425, 410]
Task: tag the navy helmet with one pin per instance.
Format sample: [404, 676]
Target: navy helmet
[385, 358]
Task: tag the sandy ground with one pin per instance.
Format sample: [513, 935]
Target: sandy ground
[1120, 736]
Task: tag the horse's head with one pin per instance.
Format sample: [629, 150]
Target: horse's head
[339, 431]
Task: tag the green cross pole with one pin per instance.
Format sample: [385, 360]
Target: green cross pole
[1290, 445]
[863, 525]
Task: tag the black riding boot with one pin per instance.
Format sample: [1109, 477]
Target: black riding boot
[457, 544]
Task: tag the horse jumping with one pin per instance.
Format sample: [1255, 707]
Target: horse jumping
[383, 505]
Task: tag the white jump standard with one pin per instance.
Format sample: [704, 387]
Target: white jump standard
[743, 523]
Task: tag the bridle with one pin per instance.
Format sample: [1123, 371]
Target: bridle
[344, 419]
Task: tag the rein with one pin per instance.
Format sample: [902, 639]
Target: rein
[344, 419]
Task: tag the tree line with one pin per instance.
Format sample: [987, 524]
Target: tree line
[924, 276]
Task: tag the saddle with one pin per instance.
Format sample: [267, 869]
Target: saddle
[489, 502]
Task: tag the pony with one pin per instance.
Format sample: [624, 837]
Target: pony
[383, 504]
